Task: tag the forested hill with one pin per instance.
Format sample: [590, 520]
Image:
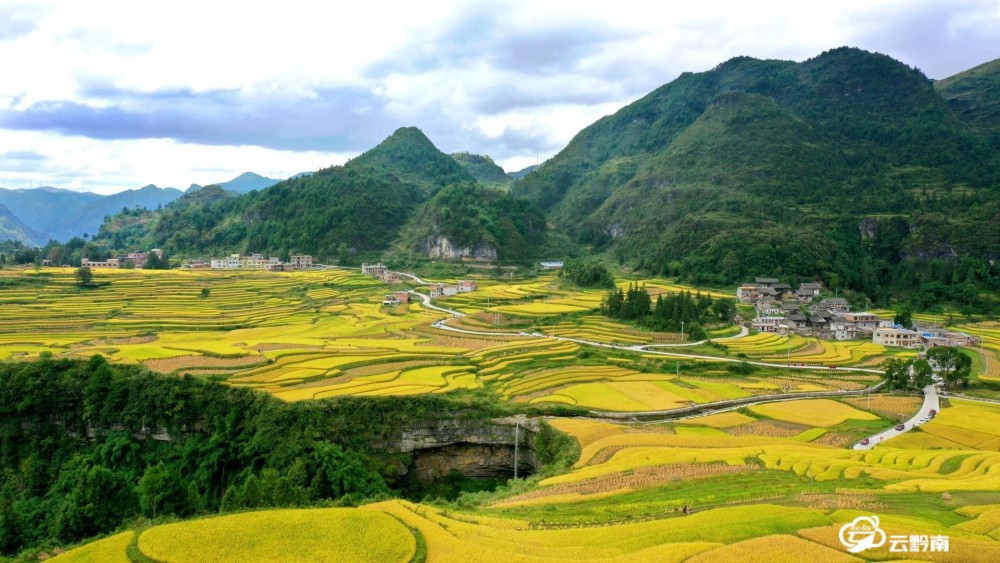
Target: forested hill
[974, 95]
[842, 165]
[411, 156]
[405, 186]
[482, 168]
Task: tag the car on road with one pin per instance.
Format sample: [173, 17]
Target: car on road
[865, 442]
[932, 413]
[900, 427]
[536, 334]
[523, 334]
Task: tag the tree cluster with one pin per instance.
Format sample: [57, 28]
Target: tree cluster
[951, 364]
[671, 313]
[84, 446]
[583, 272]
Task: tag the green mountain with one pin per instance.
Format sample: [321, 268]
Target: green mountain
[359, 207]
[403, 191]
[11, 228]
[479, 222]
[411, 156]
[482, 168]
[974, 96]
[842, 166]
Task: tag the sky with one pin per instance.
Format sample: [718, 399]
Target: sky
[105, 96]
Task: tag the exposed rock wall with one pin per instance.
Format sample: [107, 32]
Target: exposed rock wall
[441, 248]
[473, 447]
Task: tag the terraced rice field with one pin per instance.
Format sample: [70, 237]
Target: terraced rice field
[326, 534]
[795, 349]
[774, 480]
[318, 334]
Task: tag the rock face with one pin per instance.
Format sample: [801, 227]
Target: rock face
[440, 247]
[473, 447]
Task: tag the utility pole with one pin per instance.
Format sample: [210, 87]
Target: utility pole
[682, 331]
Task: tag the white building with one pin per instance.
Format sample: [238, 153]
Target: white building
[896, 337]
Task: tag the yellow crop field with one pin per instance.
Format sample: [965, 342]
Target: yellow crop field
[466, 539]
[539, 309]
[617, 396]
[812, 412]
[107, 550]
[324, 534]
[967, 423]
[721, 420]
[778, 548]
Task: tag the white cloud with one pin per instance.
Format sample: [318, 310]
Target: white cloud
[221, 80]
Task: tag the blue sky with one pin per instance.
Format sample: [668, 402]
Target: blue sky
[106, 96]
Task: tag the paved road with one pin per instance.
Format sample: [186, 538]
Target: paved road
[414, 278]
[931, 402]
[427, 303]
[638, 348]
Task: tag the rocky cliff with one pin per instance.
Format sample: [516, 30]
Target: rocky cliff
[473, 447]
[439, 247]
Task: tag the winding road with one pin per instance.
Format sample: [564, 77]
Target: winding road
[686, 412]
[931, 402]
[644, 348]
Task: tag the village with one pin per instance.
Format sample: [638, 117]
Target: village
[254, 261]
[435, 290]
[135, 259]
[782, 310]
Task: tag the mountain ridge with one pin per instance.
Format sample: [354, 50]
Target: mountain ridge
[762, 161]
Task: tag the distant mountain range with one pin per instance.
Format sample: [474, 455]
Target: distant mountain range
[245, 183]
[52, 213]
[11, 228]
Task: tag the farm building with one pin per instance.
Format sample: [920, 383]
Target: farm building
[374, 270]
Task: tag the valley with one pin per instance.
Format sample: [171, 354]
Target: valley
[530, 351]
[420, 357]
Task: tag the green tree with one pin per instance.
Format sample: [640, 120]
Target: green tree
[904, 318]
[99, 500]
[343, 255]
[921, 374]
[161, 491]
[84, 277]
[896, 373]
[954, 366]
